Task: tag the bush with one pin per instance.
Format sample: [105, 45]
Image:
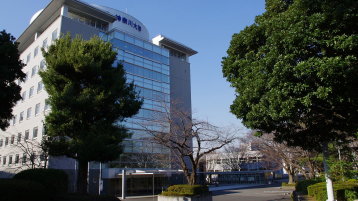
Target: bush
[185, 190]
[20, 190]
[55, 181]
[342, 191]
[283, 184]
[301, 186]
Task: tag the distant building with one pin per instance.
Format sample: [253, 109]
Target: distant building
[237, 161]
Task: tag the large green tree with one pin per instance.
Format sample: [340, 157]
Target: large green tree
[10, 72]
[89, 98]
[295, 71]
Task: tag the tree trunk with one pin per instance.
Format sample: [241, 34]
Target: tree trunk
[291, 177]
[329, 183]
[192, 178]
[82, 177]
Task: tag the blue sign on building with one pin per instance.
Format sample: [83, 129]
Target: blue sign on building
[124, 20]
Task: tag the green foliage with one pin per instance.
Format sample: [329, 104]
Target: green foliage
[19, 190]
[302, 186]
[295, 70]
[55, 181]
[342, 170]
[342, 190]
[10, 72]
[185, 190]
[89, 99]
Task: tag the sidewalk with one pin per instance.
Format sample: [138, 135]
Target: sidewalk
[237, 186]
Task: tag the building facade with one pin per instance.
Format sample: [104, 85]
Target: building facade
[158, 67]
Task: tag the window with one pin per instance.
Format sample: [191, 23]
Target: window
[34, 132]
[1, 142]
[33, 71]
[42, 64]
[12, 139]
[31, 92]
[10, 160]
[23, 96]
[17, 159]
[24, 158]
[6, 141]
[26, 76]
[47, 106]
[39, 86]
[37, 109]
[14, 120]
[19, 137]
[4, 160]
[54, 35]
[27, 132]
[28, 114]
[21, 118]
[28, 58]
[36, 51]
[44, 43]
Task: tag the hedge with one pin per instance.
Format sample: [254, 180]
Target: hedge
[55, 181]
[185, 190]
[343, 191]
[301, 186]
[21, 190]
[283, 184]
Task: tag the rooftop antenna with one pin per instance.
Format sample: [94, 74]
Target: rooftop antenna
[126, 11]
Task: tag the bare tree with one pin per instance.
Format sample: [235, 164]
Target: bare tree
[149, 160]
[35, 154]
[233, 155]
[188, 139]
[280, 155]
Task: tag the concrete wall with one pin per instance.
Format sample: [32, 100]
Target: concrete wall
[75, 27]
[180, 86]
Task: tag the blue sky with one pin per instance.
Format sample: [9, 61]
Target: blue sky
[204, 25]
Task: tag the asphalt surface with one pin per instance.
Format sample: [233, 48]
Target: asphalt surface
[262, 193]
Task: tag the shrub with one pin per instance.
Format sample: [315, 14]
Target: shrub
[283, 184]
[301, 186]
[342, 191]
[18, 190]
[55, 181]
[185, 190]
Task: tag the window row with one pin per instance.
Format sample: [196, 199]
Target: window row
[29, 110]
[19, 138]
[134, 146]
[44, 45]
[138, 42]
[151, 65]
[133, 69]
[149, 84]
[34, 71]
[118, 44]
[30, 93]
[235, 160]
[153, 95]
[26, 157]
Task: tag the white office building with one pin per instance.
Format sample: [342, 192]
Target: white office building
[159, 67]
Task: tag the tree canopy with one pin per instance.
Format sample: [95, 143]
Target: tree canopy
[295, 71]
[10, 72]
[89, 98]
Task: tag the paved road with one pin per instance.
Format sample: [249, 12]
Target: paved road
[253, 194]
[264, 193]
